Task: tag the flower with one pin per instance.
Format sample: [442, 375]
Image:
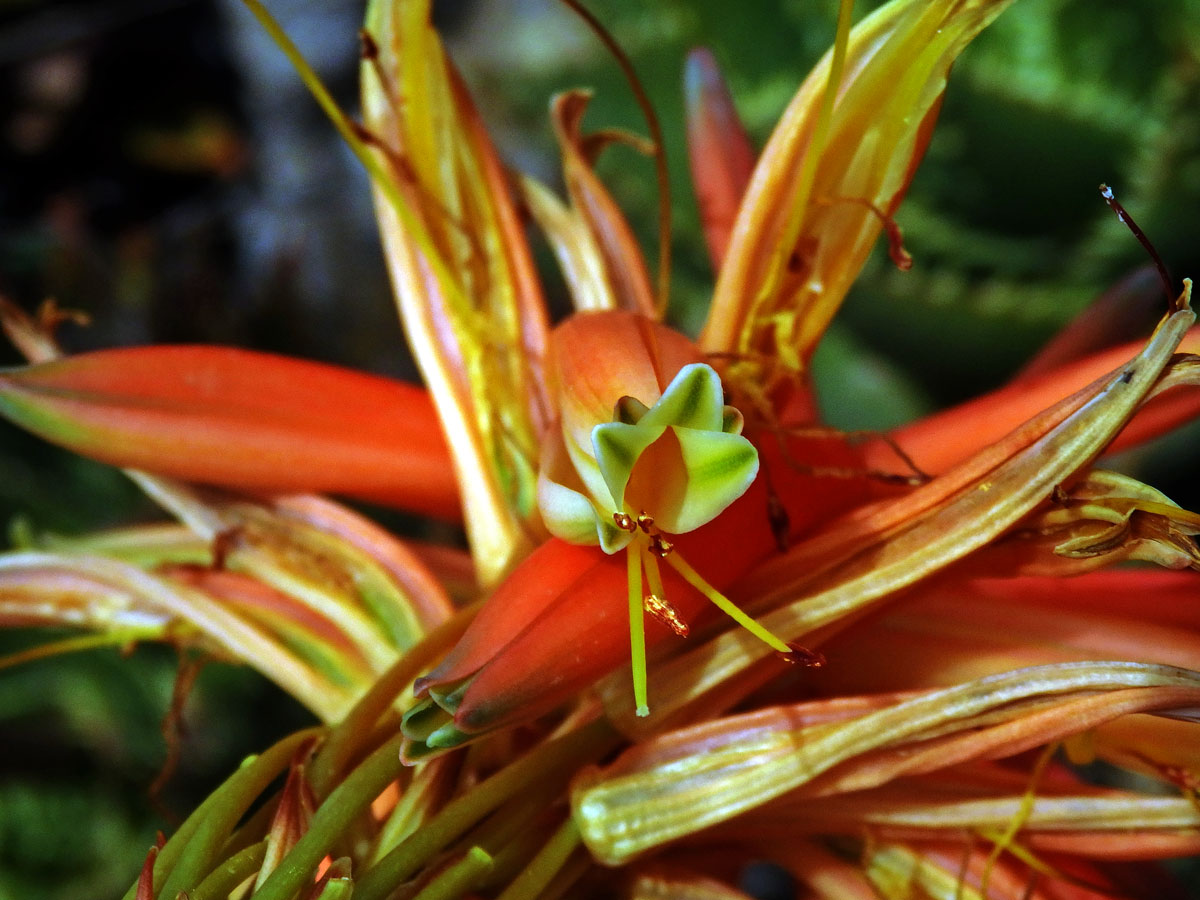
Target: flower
[930, 566]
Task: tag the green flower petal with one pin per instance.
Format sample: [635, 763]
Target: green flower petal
[732, 421]
[719, 464]
[618, 447]
[720, 467]
[567, 513]
[629, 410]
[693, 399]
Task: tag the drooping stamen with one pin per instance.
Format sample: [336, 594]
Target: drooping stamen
[1127, 220]
[654, 576]
[799, 655]
[637, 630]
[727, 606]
[900, 257]
[224, 542]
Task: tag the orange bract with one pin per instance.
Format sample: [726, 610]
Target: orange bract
[251, 420]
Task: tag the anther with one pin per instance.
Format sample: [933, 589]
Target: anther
[801, 656]
[368, 48]
[645, 522]
[660, 546]
[223, 543]
[625, 521]
[665, 613]
[1127, 220]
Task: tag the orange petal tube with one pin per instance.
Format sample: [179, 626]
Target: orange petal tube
[255, 421]
[720, 154]
[957, 629]
[938, 442]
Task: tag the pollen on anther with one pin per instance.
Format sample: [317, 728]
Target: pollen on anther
[660, 546]
[645, 522]
[665, 613]
[800, 655]
[624, 521]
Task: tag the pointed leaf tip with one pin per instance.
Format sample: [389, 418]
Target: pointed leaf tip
[720, 154]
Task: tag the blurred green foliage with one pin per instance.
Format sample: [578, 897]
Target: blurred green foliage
[81, 743]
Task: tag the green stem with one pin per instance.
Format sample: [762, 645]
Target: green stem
[522, 845]
[253, 827]
[515, 833]
[222, 880]
[637, 628]
[565, 880]
[520, 816]
[331, 820]
[458, 878]
[543, 867]
[349, 736]
[552, 761]
[430, 783]
[193, 848]
[115, 638]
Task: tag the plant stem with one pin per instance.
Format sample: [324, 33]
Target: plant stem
[543, 867]
[222, 880]
[570, 873]
[192, 849]
[553, 760]
[335, 815]
[458, 878]
[426, 790]
[348, 736]
[637, 627]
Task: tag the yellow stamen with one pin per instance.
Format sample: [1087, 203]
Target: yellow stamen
[653, 575]
[1005, 840]
[637, 629]
[727, 606]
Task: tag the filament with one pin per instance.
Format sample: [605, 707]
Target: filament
[637, 628]
[727, 606]
[653, 575]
